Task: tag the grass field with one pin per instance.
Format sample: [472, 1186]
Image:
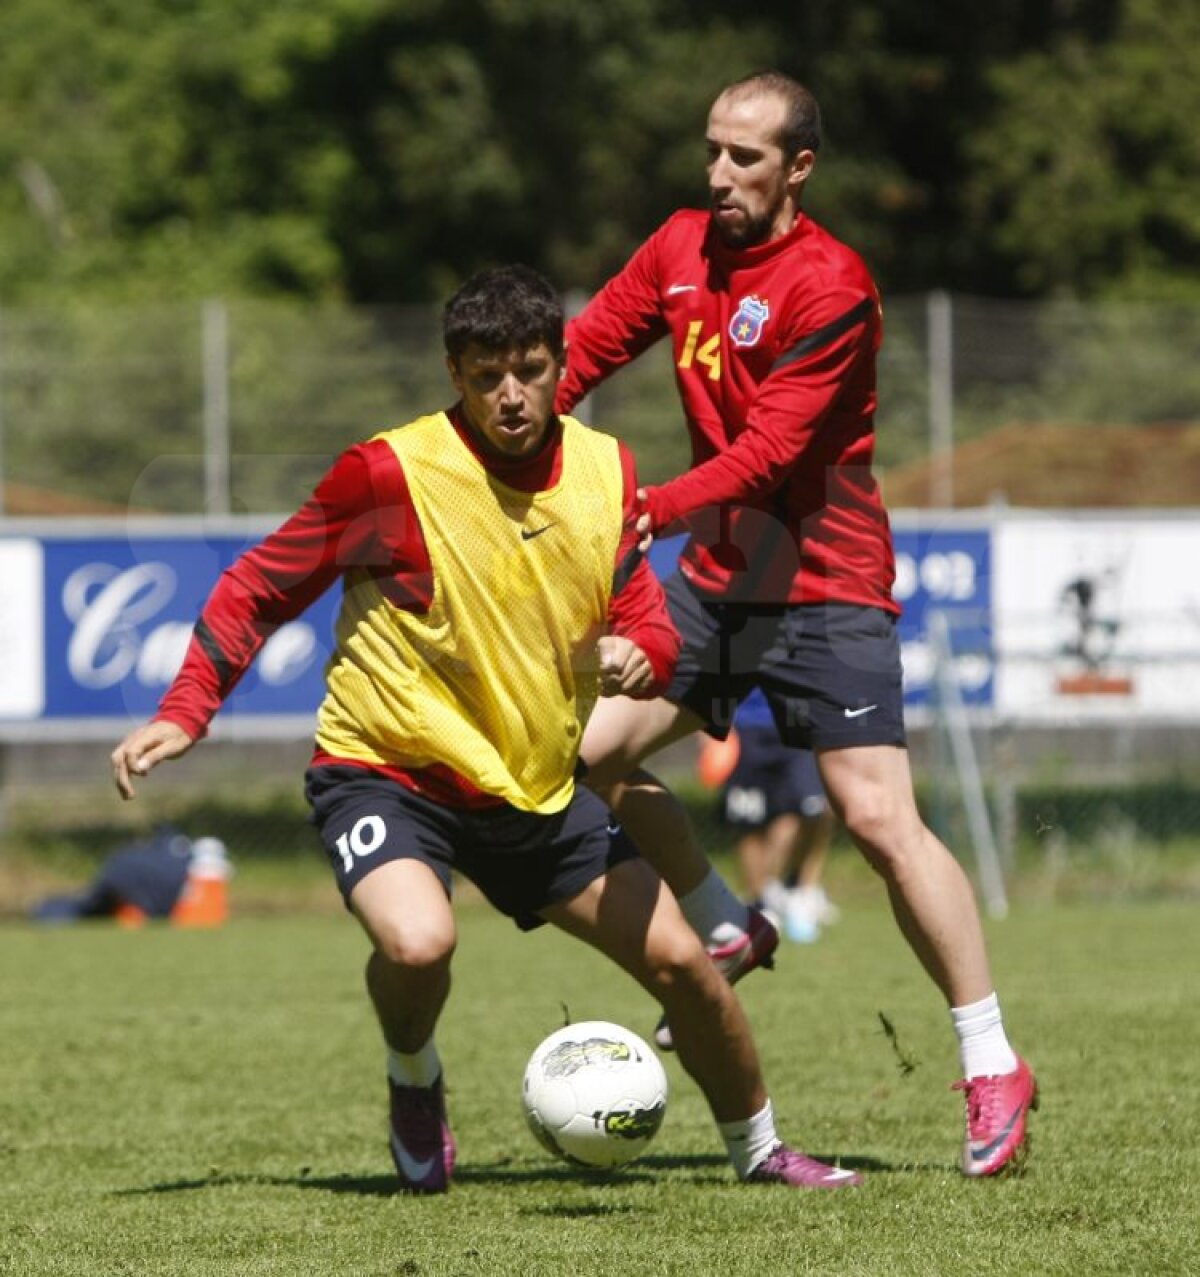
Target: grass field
[211, 1103]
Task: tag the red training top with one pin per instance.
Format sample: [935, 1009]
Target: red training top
[774, 350]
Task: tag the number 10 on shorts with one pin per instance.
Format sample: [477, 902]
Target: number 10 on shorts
[366, 836]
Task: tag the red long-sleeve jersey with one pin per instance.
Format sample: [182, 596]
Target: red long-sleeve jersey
[774, 350]
[362, 515]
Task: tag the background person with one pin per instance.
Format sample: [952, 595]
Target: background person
[786, 579]
[775, 799]
[493, 587]
[143, 879]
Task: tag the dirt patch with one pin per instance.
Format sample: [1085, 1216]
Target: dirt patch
[1055, 466]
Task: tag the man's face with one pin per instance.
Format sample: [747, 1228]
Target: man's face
[507, 395]
[753, 188]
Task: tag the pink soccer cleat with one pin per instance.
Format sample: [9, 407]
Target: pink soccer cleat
[785, 1165]
[997, 1107]
[755, 947]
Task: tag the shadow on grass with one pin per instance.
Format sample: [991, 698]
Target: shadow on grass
[695, 1169]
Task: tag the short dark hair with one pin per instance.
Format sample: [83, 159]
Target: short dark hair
[802, 119]
[502, 308]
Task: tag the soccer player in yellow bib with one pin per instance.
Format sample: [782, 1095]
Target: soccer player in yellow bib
[494, 588]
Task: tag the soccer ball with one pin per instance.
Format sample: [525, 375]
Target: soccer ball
[594, 1094]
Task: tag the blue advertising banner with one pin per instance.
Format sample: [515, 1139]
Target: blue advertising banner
[119, 613]
[947, 569]
[94, 627]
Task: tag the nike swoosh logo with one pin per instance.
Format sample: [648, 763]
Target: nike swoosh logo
[681, 288]
[837, 1173]
[982, 1154]
[856, 713]
[415, 1172]
[527, 534]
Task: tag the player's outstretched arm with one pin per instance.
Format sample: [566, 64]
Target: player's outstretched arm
[143, 749]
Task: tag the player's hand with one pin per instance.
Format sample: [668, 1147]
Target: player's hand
[624, 668]
[651, 516]
[644, 529]
[642, 525]
[143, 749]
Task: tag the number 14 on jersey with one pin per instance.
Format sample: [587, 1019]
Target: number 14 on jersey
[706, 354]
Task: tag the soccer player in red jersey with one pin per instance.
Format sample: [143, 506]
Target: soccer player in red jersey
[494, 587]
[786, 579]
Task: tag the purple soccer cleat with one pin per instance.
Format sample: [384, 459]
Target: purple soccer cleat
[785, 1165]
[422, 1145]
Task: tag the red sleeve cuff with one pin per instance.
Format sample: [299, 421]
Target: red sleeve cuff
[194, 724]
[659, 507]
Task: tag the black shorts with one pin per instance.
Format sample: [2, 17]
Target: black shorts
[831, 671]
[520, 860]
[770, 779]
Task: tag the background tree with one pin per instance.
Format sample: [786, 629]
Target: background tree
[379, 150]
[1085, 181]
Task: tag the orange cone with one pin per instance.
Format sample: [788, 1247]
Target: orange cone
[204, 901]
[717, 759]
[127, 915]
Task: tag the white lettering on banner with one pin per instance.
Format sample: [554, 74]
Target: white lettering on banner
[287, 654]
[906, 577]
[162, 653]
[949, 575]
[971, 669]
[107, 605]
[110, 606]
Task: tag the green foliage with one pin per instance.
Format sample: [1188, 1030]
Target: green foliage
[1147, 812]
[1085, 179]
[157, 153]
[378, 152]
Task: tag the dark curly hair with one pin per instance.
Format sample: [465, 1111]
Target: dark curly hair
[501, 308]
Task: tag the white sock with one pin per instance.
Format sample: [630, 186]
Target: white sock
[751, 1140]
[421, 1069]
[717, 916]
[982, 1043]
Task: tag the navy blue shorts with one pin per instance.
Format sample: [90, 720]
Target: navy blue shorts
[830, 671]
[770, 779]
[522, 861]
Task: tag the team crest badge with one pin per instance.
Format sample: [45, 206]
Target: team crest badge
[746, 326]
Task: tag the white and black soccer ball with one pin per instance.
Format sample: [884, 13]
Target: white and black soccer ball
[594, 1094]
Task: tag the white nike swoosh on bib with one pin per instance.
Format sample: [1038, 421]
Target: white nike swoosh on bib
[855, 713]
[413, 1170]
[681, 288]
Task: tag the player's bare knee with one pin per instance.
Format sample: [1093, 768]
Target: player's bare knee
[679, 967]
[892, 840]
[608, 775]
[413, 946]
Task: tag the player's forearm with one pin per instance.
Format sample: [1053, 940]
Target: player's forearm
[638, 612]
[786, 422]
[224, 643]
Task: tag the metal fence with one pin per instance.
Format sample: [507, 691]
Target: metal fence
[239, 406]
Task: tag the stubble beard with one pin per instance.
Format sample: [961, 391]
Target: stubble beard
[752, 232]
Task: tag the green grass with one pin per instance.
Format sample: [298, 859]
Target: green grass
[193, 1103]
